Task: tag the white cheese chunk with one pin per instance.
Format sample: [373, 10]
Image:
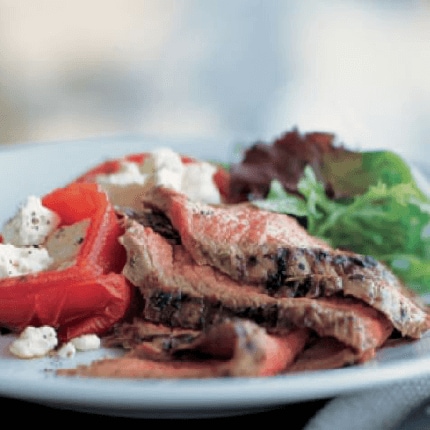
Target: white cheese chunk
[34, 342]
[86, 342]
[162, 167]
[198, 184]
[16, 261]
[31, 224]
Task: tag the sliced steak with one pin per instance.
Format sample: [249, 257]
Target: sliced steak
[129, 335]
[260, 247]
[181, 293]
[328, 353]
[231, 348]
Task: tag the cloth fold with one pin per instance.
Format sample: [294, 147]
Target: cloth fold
[378, 409]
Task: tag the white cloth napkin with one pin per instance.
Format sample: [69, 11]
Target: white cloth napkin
[378, 409]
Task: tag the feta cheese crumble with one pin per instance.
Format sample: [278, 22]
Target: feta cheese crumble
[162, 167]
[37, 342]
[31, 224]
[198, 184]
[34, 342]
[21, 252]
[86, 342]
[16, 261]
[32, 241]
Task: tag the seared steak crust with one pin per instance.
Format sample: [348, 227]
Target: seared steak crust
[180, 293]
[272, 250]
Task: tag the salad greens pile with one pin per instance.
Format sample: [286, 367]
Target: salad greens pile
[384, 212]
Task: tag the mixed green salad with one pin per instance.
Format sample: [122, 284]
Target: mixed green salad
[384, 213]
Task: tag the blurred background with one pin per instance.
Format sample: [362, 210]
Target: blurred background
[238, 70]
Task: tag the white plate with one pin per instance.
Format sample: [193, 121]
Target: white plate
[37, 169]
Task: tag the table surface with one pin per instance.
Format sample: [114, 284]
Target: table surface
[296, 414]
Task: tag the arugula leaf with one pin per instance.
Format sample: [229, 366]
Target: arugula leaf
[352, 173]
[390, 220]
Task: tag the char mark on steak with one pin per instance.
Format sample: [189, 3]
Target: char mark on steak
[272, 250]
[181, 293]
[157, 220]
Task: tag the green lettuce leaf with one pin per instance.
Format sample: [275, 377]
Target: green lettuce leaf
[390, 220]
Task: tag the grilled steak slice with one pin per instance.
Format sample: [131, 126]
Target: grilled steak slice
[181, 293]
[156, 220]
[248, 346]
[327, 353]
[129, 335]
[231, 348]
[261, 247]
